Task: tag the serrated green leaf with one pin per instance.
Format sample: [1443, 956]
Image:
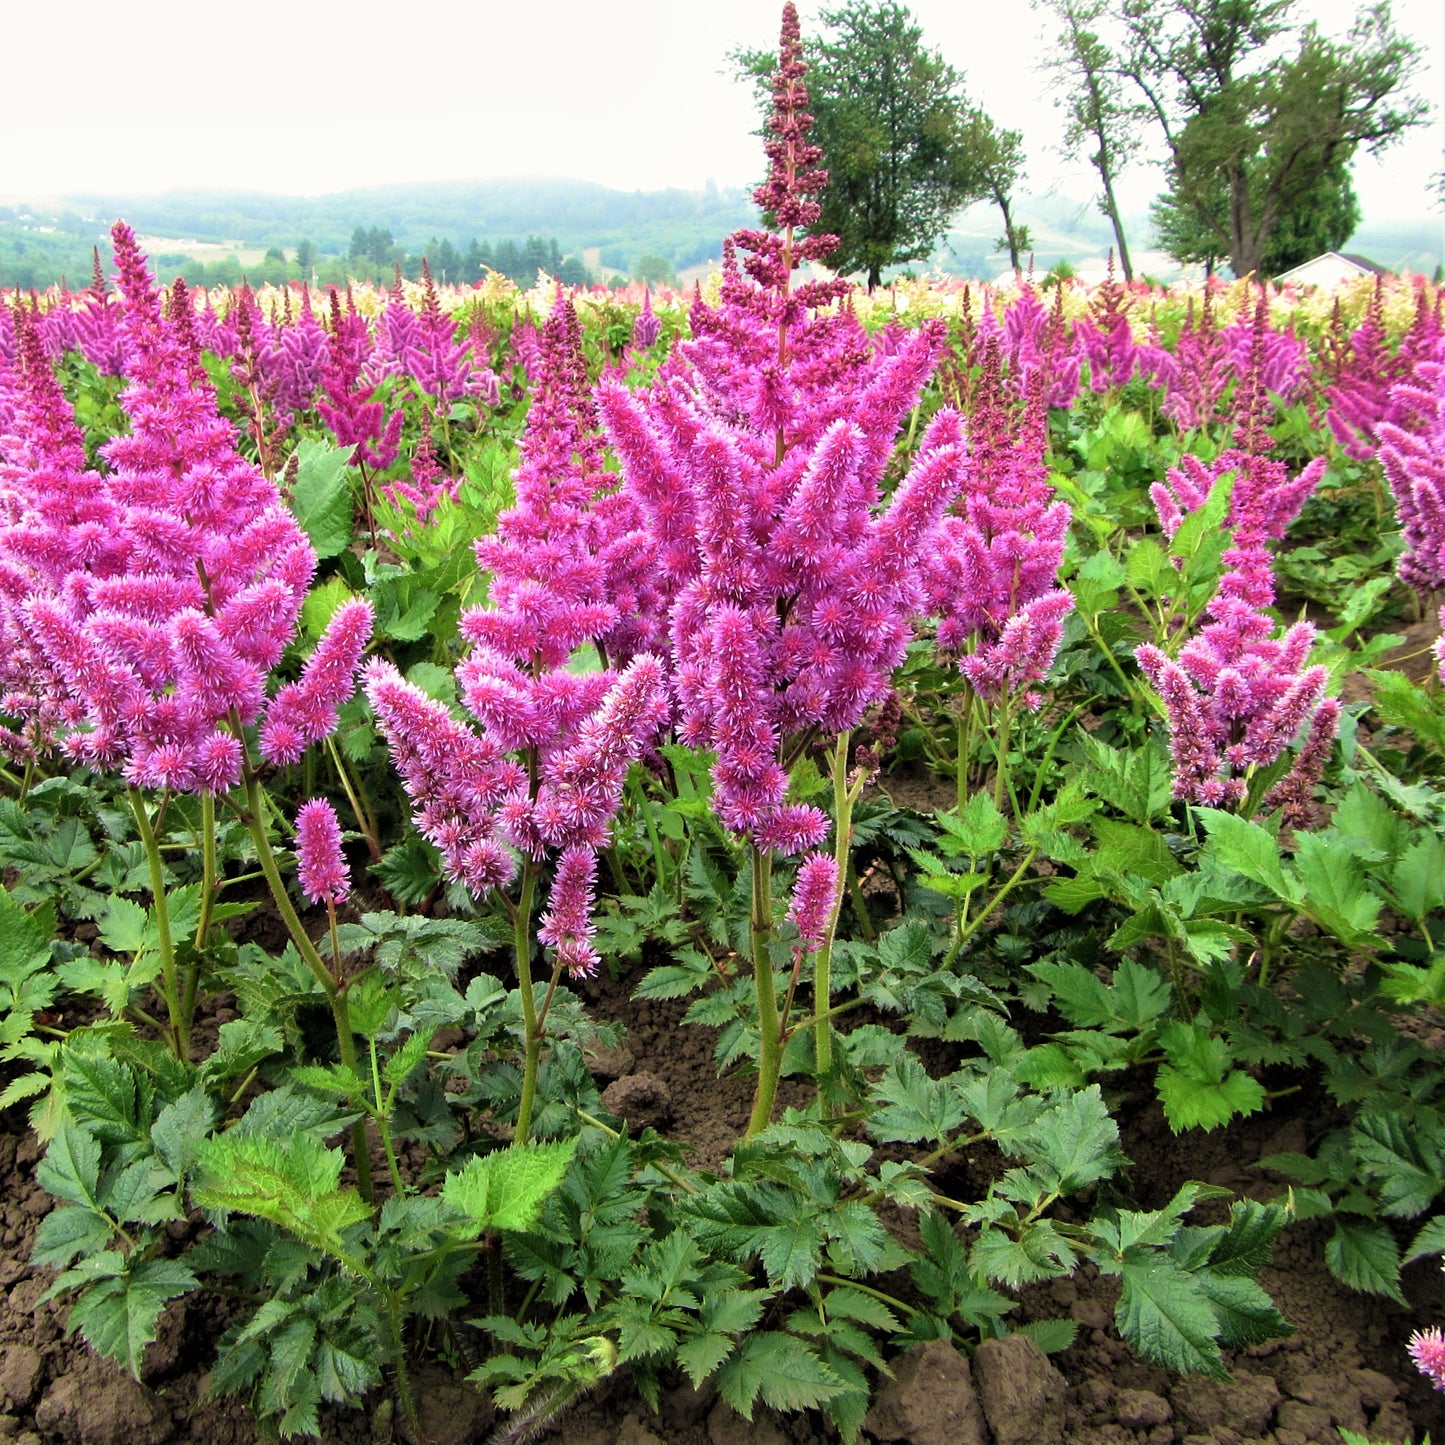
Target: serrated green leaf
[1051, 1336]
[1245, 1313]
[1192, 1103]
[71, 1168]
[1398, 1155]
[408, 1057]
[1082, 998]
[118, 1315]
[1418, 879]
[910, 1106]
[125, 926]
[700, 1355]
[69, 1231]
[1077, 1140]
[506, 1189]
[780, 1368]
[321, 496]
[978, 829]
[180, 1126]
[1362, 1254]
[1242, 847]
[1038, 1252]
[1167, 1318]
[1335, 892]
[1429, 1240]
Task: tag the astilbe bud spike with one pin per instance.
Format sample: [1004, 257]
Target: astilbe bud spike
[320, 867]
[815, 895]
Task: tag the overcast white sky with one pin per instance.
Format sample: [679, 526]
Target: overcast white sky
[288, 95]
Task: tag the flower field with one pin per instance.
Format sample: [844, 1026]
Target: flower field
[738, 848]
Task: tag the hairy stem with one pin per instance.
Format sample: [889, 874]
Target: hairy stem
[770, 1031]
[531, 1030]
[180, 1025]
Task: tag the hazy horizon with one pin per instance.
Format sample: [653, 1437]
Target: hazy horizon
[641, 98]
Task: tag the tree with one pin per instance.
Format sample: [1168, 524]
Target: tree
[654, 271]
[998, 156]
[1270, 128]
[894, 127]
[305, 259]
[1100, 120]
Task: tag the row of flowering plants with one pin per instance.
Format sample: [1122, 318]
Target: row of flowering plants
[373, 675]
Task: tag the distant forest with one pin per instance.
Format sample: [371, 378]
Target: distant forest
[513, 226]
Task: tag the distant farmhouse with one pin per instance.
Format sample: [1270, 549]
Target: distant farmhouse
[1329, 270]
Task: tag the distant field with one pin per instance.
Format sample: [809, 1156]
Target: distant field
[206, 251]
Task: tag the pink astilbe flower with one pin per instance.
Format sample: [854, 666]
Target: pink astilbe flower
[1237, 697]
[567, 924]
[320, 867]
[756, 462]
[1427, 1349]
[815, 895]
[299, 351]
[348, 406]
[1365, 371]
[1414, 461]
[1105, 337]
[1196, 378]
[305, 711]
[1264, 499]
[435, 359]
[992, 571]
[546, 772]
[174, 586]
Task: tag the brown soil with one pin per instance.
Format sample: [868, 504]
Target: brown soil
[1345, 1366]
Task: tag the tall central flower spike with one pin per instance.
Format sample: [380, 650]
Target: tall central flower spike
[757, 460]
[545, 774]
[174, 594]
[1238, 696]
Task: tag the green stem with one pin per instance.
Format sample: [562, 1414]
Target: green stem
[531, 1033]
[364, 819]
[180, 1027]
[967, 932]
[844, 798]
[208, 868]
[770, 1031]
[335, 995]
[1000, 780]
[383, 1113]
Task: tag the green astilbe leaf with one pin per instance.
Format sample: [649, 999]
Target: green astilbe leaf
[293, 1184]
[782, 1370]
[507, 1189]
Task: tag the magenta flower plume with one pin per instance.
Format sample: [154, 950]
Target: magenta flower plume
[305, 711]
[320, 867]
[815, 895]
[172, 581]
[347, 404]
[754, 464]
[1413, 457]
[1427, 1349]
[992, 571]
[567, 924]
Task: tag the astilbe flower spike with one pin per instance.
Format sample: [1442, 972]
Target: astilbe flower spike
[320, 867]
[170, 600]
[1413, 457]
[1237, 696]
[756, 461]
[544, 776]
[992, 571]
